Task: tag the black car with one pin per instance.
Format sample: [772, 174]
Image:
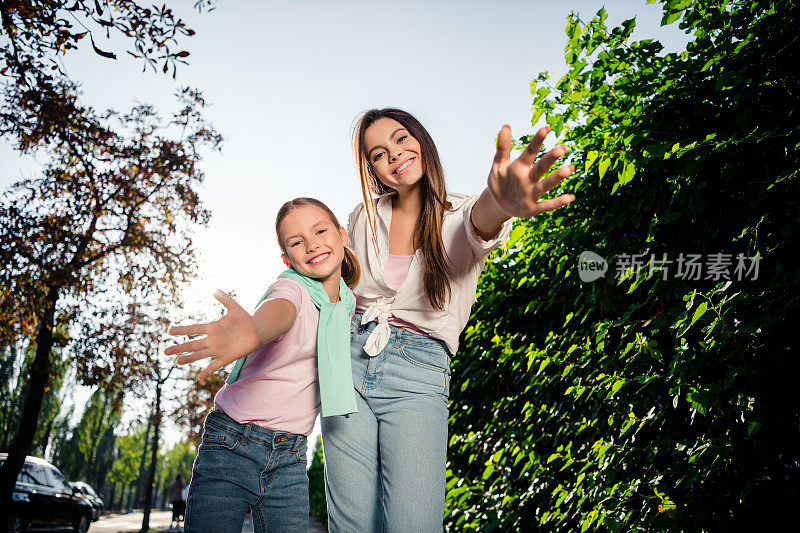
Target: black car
[43, 500]
[89, 494]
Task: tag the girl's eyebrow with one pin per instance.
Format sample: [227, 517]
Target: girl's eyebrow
[321, 222]
[390, 138]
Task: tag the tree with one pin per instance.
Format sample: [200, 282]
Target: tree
[130, 202]
[13, 370]
[125, 469]
[112, 210]
[161, 377]
[35, 33]
[199, 401]
[649, 399]
[177, 460]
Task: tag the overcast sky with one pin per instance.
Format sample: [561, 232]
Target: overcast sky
[287, 80]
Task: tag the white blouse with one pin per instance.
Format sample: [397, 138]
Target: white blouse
[467, 252]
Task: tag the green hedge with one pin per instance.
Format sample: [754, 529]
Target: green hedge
[636, 402]
[316, 485]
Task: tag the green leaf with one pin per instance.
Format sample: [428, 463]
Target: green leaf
[516, 234]
[604, 164]
[627, 174]
[670, 18]
[700, 311]
[590, 158]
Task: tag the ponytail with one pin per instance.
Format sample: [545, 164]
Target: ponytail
[351, 269]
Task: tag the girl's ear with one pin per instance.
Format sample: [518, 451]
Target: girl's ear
[345, 237]
[286, 260]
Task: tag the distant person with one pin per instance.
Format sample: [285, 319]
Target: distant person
[177, 500]
[252, 451]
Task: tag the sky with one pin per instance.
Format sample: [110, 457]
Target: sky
[286, 82]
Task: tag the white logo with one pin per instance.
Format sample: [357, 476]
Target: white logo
[591, 266]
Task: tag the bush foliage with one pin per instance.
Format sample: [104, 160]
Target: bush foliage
[646, 400]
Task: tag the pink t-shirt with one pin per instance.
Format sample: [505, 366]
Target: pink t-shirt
[278, 387]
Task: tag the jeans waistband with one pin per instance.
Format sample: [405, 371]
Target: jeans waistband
[250, 431]
[398, 334]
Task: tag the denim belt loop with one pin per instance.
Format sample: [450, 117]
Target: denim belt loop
[296, 443]
[246, 435]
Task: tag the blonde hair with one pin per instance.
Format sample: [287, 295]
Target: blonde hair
[351, 269]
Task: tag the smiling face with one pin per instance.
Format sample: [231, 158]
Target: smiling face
[394, 154]
[312, 243]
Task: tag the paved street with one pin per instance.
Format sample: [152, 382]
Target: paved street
[160, 521]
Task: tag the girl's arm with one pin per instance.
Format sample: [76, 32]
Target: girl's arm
[514, 187]
[234, 335]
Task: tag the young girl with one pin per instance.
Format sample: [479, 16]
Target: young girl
[421, 251]
[253, 446]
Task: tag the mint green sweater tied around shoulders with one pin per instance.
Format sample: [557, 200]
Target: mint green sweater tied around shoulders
[333, 345]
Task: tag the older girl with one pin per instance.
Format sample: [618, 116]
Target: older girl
[421, 251]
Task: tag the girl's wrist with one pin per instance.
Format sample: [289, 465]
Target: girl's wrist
[487, 215]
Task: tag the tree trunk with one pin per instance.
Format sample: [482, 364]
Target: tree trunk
[140, 479]
[38, 378]
[148, 498]
[8, 410]
[46, 437]
[121, 503]
[111, 495]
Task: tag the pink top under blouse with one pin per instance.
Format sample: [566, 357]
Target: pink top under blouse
[394, 274]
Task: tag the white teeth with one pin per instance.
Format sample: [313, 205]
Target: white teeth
[319, 258]
[404, 166]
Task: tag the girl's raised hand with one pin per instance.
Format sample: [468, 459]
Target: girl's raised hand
[517, 185]
[231, 337]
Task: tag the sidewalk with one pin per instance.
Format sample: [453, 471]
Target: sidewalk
[160, 521]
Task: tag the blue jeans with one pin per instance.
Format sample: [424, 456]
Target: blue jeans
[245, 465]
[385, 465]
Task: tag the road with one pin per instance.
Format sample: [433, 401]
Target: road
[159, 521]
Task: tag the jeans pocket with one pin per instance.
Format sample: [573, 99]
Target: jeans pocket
[429, 366]
[215, 439]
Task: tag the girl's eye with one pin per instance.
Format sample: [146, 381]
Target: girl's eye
[295, 243]
[402, 138]
[377, 156]
[321, 231]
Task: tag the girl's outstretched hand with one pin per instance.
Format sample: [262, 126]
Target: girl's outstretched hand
[517, 185]
[231, 337]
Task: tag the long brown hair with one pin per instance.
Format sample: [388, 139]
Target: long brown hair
[351, 270]
[437, 272]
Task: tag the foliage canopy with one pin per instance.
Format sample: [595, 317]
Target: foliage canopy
[646, 401]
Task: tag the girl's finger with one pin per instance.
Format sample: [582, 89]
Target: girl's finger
[547, 161]
[210, 369]
[194, 356]
[191, 346]
[192, 329]
[503, 145]
[555, 203]
[551, 181]
[225, 299]
[531, 152]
